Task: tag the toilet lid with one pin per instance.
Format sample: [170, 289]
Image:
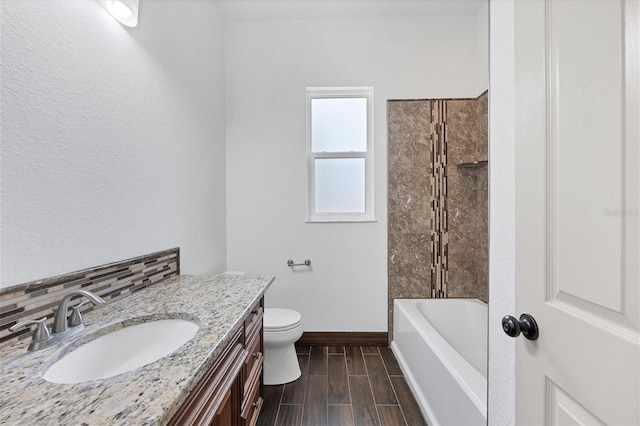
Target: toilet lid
[280, 319]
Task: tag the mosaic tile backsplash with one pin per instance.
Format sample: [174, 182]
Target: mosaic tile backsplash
[36, 299]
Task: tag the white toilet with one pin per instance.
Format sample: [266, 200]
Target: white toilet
[282, 328]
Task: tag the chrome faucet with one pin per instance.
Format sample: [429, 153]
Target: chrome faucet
[62, 328]
[60, 324]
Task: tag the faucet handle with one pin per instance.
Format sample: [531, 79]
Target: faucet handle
[40, 334]
[76, 316]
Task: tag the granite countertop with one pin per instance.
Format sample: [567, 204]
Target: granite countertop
[148, 395]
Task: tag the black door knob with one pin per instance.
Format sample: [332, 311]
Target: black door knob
[526, 325]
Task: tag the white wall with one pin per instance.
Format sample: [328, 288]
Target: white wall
[482, 48]
[112, 138]
[501, 404]
[268, 65]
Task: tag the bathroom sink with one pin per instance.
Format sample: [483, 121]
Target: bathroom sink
[122, 350]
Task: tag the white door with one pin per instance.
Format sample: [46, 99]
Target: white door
[577, 191]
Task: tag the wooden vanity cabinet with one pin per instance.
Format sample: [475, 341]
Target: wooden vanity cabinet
[230, 393]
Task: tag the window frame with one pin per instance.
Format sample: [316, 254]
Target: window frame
[341, 92]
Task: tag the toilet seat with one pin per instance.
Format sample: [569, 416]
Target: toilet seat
[277, 319]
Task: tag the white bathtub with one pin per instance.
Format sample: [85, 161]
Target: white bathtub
[441, 346]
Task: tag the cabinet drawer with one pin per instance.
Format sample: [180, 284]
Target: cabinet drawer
[253, 375]
[253, 322]
[252, 402]
[254, 413]
[254, 356]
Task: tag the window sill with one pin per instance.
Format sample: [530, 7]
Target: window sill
[341, 221]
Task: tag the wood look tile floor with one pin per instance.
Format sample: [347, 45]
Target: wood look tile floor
[343, 386]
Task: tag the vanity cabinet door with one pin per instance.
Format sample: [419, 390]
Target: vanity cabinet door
[227, 413]
[216, 399]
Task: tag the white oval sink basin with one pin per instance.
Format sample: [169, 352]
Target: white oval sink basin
[122, 350]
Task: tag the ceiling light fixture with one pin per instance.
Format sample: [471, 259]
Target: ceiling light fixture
[125, 11]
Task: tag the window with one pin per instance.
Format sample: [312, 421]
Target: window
[340, 154]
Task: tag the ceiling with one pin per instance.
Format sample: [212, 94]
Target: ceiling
[239, 10]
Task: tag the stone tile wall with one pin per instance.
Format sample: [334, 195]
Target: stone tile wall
[437, 247]
[467, 199]
[409, 204]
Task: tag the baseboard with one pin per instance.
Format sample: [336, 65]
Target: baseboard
[344, 338]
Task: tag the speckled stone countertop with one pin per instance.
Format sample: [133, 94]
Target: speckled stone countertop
[148, 395]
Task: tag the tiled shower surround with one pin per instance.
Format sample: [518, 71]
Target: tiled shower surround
[36, 299]
[438, 210]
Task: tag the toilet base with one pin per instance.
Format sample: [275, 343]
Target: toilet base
[280, 365]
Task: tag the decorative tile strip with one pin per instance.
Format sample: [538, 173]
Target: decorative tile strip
[35, 299]
[439, 219]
